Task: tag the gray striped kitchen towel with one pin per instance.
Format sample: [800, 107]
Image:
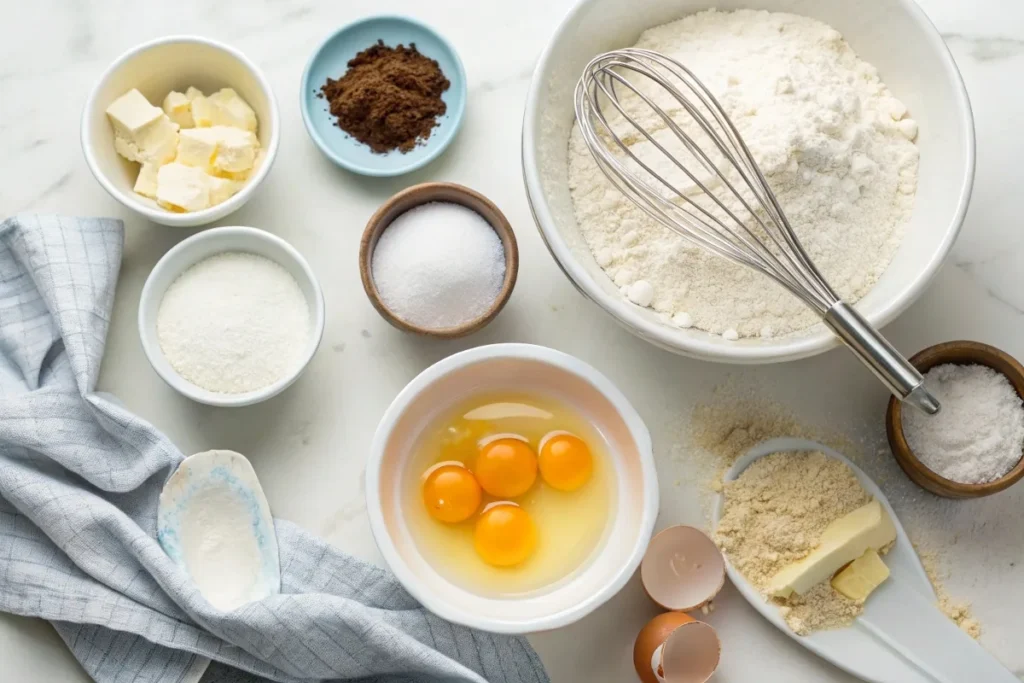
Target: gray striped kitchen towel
[79, 481]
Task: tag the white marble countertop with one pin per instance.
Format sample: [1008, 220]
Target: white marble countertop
[307, 445]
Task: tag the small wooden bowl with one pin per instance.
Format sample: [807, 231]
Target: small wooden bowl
[958, 353]
[424, 194]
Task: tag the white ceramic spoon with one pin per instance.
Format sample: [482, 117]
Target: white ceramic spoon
[214, 522]
[901, 637]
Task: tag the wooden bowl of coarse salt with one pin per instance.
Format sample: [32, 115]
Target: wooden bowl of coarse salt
[438, 259]
[975, 445]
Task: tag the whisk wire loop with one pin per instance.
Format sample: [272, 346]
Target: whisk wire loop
[764, 241]
[625, 99]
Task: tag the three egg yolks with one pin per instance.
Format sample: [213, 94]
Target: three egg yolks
[505, 467]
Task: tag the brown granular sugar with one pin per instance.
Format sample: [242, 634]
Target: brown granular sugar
[389, 98]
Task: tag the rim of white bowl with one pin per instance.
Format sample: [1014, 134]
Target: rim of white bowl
[151, 345]
[800, 345]
[158, 215]
[638, 430]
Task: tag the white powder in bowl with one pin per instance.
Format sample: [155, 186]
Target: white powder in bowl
[438, 265]
[978, 436]
[233, 323]
[834, 144]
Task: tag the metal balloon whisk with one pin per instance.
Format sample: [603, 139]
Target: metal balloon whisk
[667, 144]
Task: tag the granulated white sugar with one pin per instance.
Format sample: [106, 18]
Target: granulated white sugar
[234, 323]
[439, 265]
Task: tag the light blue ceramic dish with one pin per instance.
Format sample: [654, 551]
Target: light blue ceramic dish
[331, 60]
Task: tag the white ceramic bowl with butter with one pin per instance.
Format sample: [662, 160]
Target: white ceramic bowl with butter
[893, 35]
[533, 369]
[156, 68]
[197, 248]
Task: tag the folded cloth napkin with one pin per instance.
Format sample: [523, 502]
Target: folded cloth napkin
[79, 481]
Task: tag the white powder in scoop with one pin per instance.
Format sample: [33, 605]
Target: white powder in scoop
[978, 436]
[834, 144]
[233, 323]
[439, 265]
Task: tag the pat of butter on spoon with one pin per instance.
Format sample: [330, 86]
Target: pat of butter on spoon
[862, 576]
[842, 542]
[901, 637]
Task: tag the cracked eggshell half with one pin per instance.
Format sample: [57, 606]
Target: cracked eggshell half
[690, 654]
[683, 569]
[675, 648]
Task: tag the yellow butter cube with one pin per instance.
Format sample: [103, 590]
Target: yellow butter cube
[178, 108]
[181, 187]
[862, 576]
[145, 183]
[197, 147]
[142, 132]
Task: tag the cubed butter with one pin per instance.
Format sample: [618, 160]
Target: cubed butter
[232, 110]
[222, 189]
[142, 132]
[842, 541]
[236, 149]
[178, 108]
[862, 576]
[131, 112]
[202, 112]
[224, 108]
[195, 151]
[219, 150]
[182, 188]
[242, 176]
[145, 183]
[197, 147]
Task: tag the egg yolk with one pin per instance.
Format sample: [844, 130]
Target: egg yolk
[565, 461]
[505, 535]
[451, 493]
[506, 467]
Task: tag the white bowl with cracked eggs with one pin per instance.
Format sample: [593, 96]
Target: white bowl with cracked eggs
[156, 68]
[893, 35]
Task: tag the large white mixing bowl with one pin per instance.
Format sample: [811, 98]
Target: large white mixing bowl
[894, 35]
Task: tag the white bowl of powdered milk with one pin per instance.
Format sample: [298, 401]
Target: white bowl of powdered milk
[231, 316]
[858, 117]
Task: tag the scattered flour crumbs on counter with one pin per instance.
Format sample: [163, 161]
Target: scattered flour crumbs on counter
[775, 513]
[834, 143]
[736, 418]
[957, 610]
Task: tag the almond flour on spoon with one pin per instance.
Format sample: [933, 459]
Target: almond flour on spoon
[835, 145]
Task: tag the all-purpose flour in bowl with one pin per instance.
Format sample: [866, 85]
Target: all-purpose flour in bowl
[836, 147]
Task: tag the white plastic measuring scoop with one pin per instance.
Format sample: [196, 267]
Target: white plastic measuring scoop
[901, 637]
[214, 522]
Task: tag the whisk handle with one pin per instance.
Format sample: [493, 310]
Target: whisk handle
[895, 371]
